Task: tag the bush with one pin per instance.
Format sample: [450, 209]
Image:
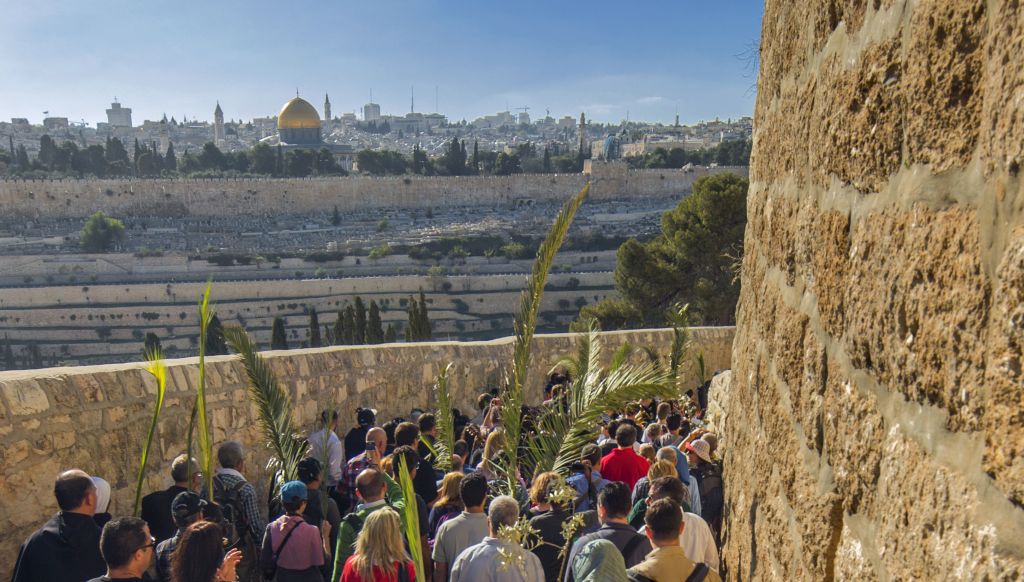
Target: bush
[100, 233]
[609, 314]
[380, 252]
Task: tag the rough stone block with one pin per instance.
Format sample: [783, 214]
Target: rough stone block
[24, 397]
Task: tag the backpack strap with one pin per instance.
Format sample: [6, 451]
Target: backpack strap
[284, 542]
[698, 574]
[354, 521]
[632, 545]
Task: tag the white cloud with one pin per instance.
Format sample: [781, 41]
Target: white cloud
[650, 100]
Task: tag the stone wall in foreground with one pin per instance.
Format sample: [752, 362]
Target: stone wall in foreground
[877, 369]
[96, 417]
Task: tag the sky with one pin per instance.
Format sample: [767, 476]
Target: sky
[647, 60]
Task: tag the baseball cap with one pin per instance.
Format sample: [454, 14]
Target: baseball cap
[186, 504]
[293, 491]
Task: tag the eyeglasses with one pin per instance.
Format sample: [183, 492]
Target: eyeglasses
[151, 544]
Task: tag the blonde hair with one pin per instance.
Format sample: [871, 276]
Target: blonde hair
[647, 452]
[661, 469]
[542, 487]
[448, 492]
[495, 444]
[387, 463]
[379, 543]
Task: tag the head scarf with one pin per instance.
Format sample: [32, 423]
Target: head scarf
[682, 465]
[599, 561]
[102, 494]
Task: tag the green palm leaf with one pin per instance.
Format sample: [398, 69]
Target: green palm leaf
[154, 365]
[203, 423]
[274, 409]
[411, 519]
[444, 445]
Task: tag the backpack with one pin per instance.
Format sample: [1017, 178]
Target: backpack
[232, 517]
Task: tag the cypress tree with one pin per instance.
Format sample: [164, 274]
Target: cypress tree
[350, 325]
[278, 338]
[412, 326]
[314, 329]
[170, 159]
[360, 334]
[9, 363]
[279, 167]
[476, 157]
[151, 343]
[390, 336]
[328, 335]
[374, 329]
[424, 320]
[215, 343]
[339, 330]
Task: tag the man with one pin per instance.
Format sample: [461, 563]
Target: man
[187, 508]
[483, 402]
[156, 507]
[590, 459]
[358, 464]
[464, 530]
[697, 541]
[377, 490]
[325, 446]
[623, 464]
[355, 440]
[426, 477]
[320, 510]
[67, 548]
[127, 549]
[485, 562]
[612, 509]
[231, 488]
[672, 438]
[667, 562]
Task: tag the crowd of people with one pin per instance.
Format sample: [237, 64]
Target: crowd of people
[643, 503]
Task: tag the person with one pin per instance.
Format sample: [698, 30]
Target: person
[406, 455]
[642, 488]
[355, 440]
[623, 464]
[709, 483]
[67, 547]
[102, 515]
[484, 562]
[378, 490]
[448, 504]
[295, 547]
[380, 555]
[548, 519]
[321, 511]
[425, 483]
[187, 508]
[697, 541]
[494, 446]
[667, 562]
[325, 446]
[359, 463]
[673, 454]
[483, 402]
[599, 561]
[647, 451]
[464, 530]
[612, 509]
[156, 506]
[586, 478]
[200, 556]
[673, 424]
[127, 549]
[231, 490]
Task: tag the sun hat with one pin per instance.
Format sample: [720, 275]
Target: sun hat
[701, 448]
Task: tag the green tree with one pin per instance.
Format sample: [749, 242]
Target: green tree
[216, 345]
[475, 163]
[9, 362]
[170, 160]
[263, 159]
[374, 329]
[47, 151]
[278, 337]
[390, 336]
[360, 317]
[693, 259]
[151, 344]
[412, 321]
[211, 158]
[547, 160]
[507, 164]
[100, 233]
[423, 327]
[21, 158]
[314, 329]
[335, 216]
[299, 163]
[609, 314]
[339, 329]
[350, 326]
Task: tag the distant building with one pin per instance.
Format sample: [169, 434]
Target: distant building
[371, 112]
[298, 128]
[524, 118]
[218, 126]
[118, 116]
[55, 123]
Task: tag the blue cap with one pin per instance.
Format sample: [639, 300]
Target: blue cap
[293, 491]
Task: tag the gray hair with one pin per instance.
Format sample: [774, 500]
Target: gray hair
[230, 454]
[181, 469]
[667, 454]
[504, 510]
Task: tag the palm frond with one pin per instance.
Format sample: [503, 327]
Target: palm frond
[274, 409]
[155, 365]
[621, 355]
[411, 519]
[526, 324]
[445, 442]
[203, 423]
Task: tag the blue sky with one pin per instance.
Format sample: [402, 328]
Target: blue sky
[602, 57]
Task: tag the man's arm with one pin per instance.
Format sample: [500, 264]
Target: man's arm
[252, 512]
[343, 549]
[440, 572]
[335, 461]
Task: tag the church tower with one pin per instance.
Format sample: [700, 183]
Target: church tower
[218, 126]
[327, 107]
[583, 132]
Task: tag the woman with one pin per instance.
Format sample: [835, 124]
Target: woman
[200, 557]
[290, 544]
[599, 561]
[380, 554]
[709, 483]
[494, 446]
[448, 504]
[102, 515]
[642, 488]
[548, 518]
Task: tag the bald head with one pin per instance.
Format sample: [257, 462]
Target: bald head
[370, 485]
[379, 437]
[75, 492]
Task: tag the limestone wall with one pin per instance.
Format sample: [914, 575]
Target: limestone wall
[266, 197]
[877, 393]
[96, 417]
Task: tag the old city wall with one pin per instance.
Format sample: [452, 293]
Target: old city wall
[877, 390]
[96, 417]
[261, 197]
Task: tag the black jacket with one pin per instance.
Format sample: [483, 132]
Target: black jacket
[425, 481]
[156, 511]
[66, 549]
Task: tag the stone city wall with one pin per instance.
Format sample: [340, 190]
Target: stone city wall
[96, 417]
[265, 197]
[875, 407]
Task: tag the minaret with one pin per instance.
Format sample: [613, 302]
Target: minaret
[327, 107]
[583, 132]
[165, 137]
[218, 126]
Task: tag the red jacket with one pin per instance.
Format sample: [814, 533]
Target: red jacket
[623, 464]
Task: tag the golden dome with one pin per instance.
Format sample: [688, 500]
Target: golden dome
[298, 114]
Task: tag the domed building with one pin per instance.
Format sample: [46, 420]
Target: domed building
[298, 123]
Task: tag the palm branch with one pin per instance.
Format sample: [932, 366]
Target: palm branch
[203, 423]
[445, 443]
[154, 365]
[411, 519]
[274, 409]
[525, 325]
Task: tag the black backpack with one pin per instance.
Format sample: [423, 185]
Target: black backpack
[232, 517]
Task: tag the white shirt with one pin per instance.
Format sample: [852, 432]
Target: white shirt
[697, 541]
[481, 563]
[334, 454]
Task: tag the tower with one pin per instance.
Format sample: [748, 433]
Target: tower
[165, 137]
[218, 126]
[327, 107]
[583, 132]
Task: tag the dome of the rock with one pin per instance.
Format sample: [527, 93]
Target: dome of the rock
[298, 114]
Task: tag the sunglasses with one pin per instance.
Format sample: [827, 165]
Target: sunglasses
[151, 544]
